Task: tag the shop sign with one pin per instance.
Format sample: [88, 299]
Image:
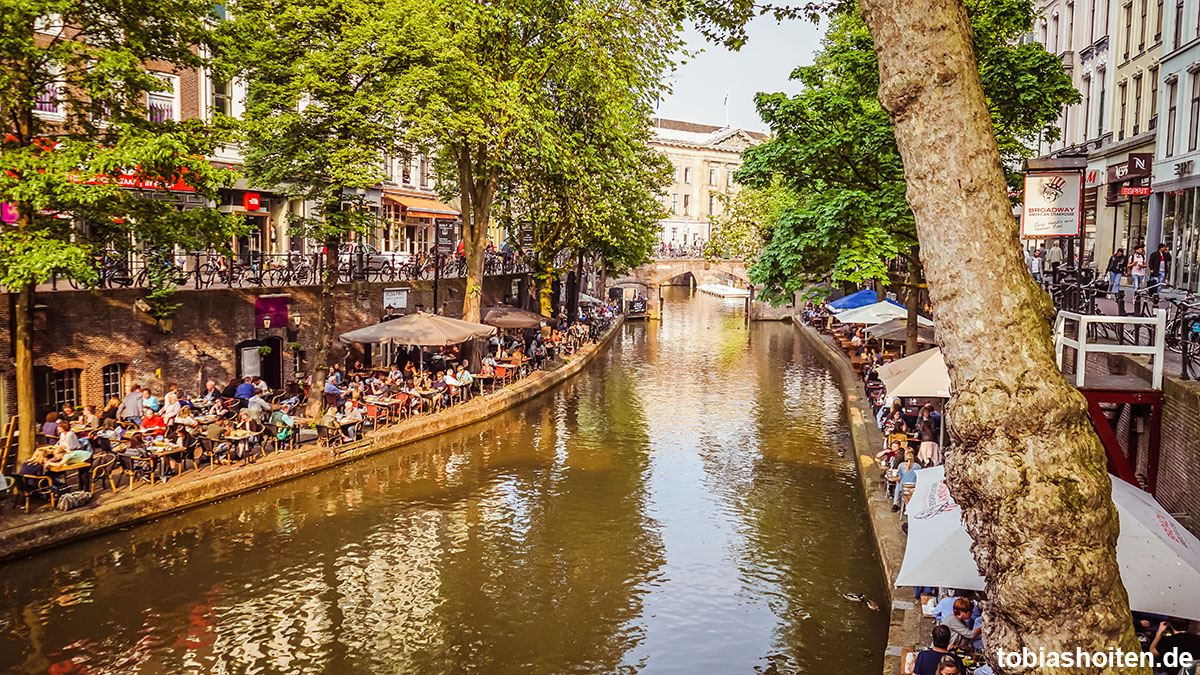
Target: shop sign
[1052, 204]
[1134, 191]
[445, 235]
[395, 298]
[1092, 178]
[251, 201]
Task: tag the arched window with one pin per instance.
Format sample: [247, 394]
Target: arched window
[114, 381]
[65, 387]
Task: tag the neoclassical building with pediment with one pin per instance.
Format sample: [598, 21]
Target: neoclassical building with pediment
[705, 158]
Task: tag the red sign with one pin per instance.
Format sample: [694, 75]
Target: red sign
[251, 201]
[1134, 191]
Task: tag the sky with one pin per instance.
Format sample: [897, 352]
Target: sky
[763, 64]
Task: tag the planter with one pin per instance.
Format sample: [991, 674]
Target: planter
[165, 324]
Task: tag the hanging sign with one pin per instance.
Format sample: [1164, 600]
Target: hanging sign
[1134, 191]
[251, 201]
[1052, 204]
[445, 235]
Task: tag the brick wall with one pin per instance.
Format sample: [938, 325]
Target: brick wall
[1179, 463]
[90, 330]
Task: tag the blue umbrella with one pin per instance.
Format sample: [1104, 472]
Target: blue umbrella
[853, 301]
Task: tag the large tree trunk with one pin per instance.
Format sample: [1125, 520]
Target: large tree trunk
[1029, 470]
[476, 192]
[325, 317]
[26, 415]
[575, 287]
[545, 293]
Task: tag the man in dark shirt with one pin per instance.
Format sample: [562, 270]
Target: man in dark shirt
[928, 659]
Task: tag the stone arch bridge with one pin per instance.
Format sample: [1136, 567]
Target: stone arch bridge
[672, 271]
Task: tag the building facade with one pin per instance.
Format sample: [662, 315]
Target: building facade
[1175, 180]
[1112, 52]
[704, 158]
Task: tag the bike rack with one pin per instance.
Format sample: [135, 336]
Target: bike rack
[1083, 347]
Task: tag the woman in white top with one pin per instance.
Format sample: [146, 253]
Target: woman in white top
[171, 410]
[1137, 267]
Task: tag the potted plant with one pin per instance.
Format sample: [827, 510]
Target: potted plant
[264, 350]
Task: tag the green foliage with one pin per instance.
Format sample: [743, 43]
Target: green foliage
[62, 169]
[325, 81]
[747, 222]
[833, 148]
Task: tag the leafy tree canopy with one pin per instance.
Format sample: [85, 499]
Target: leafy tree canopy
[833, 148]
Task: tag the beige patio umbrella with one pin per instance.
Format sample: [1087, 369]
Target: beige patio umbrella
[507, 316]
[425, 330]
[897, 329]
[922, 375]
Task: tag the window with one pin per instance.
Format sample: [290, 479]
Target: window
[1054, 34]
[1128, 31]
[1142, 25]
[1153, 95]
[687, 174]
[1121, 113]
[389, 167]
[1100, 107]
[423, 172]
[220, 97]
[675, 203]
[1087, 105]
[1178, 23]
[1194, 120]
[1158, 19]
[48, 103]
[712, 176]
[687, 202]
[1070, 24]
[163, 106]
[406, 171]
[728, 177]
[1137, 104]
[65, 388]
[1092, 22]
[114, 381]
[712, 205]
[1171, 118]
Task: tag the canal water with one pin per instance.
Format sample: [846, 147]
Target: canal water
[681, 506]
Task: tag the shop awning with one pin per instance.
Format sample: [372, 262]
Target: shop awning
[421, 207]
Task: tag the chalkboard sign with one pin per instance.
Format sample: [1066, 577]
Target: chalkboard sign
[446, 235]
[527, 237]
[638, 306]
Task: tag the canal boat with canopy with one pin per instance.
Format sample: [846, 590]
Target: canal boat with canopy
[1159, 559]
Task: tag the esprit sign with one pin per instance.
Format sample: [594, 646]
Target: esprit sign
[251, 201]
[1134, 191]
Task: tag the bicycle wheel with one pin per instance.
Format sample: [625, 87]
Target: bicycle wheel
[381, 273]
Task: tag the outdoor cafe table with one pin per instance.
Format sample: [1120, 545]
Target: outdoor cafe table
[241, 437]
[84, 474]
[161, 451]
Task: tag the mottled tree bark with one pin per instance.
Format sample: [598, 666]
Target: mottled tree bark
[1030, 471]
[914, 296]
[325, 322]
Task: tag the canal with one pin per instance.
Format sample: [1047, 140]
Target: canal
[681, 506]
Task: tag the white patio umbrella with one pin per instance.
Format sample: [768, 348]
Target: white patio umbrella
[1159, 560]
[922, 375]
[878, 313]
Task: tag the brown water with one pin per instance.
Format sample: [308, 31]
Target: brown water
[679, 507]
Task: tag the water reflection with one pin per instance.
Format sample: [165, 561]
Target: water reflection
[680, 507]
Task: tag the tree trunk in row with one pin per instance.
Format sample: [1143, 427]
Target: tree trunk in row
[1029, 470]
[325, 328]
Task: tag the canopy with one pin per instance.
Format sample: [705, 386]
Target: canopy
[878, 313]
[897, 329]
[426, 330]
[921, 375]
[420, 206]
[1159, 559]
[853, 301]
[507, 316]
[585, 299]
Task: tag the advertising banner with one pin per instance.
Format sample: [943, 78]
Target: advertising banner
[1052, 204]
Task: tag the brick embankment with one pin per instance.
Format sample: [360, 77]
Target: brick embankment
[907, 628]
[24, 534]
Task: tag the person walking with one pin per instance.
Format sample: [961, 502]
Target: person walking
[1160, 261]
[1116, 269]
[1035, 266]
[1055, 258]
[1137, 267]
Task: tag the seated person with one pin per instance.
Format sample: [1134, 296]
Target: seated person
[171, 408]
[282, 421]
[35, 465]
[137, 446]
[488, 369]
[50, 427]
[332, 388]
[216, 433]
[452, 383]
[78, 450]
[246, 389]
[463, 375]
[257, 406]
[154, 423]
[68, 413]
[928, 660]
[353, 413]
[109, 432]
[189, 424]
[960, 623]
